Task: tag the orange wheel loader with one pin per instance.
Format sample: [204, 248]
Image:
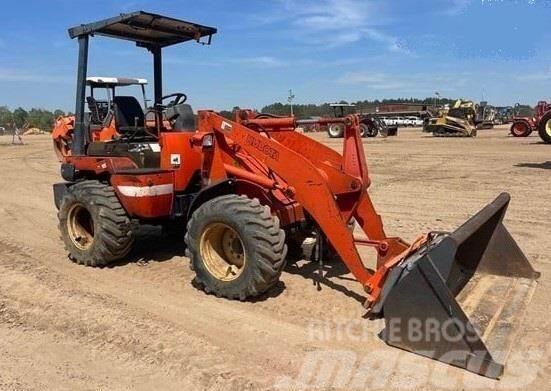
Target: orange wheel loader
[242, 189]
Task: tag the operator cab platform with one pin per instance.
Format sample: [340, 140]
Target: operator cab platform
[124, 109]
[127, 119]
[127, 116]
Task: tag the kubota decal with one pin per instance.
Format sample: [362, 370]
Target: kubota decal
[262, 147]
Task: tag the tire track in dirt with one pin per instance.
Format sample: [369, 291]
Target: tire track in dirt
[132, 327]
[217, 324]
[32, 298]
[36, 162]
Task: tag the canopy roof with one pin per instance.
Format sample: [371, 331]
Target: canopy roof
[342, 105]
[97, 81]
[146, 29]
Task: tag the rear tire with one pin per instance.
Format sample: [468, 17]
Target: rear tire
[335, 130]
[368, 131]
[544, 128]
[520, 129]
[94, 226]
[236, 246]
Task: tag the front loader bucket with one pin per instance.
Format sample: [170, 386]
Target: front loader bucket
[460, 298]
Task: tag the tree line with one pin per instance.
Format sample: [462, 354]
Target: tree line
[312, 110]
[34, 118]
[44, 119]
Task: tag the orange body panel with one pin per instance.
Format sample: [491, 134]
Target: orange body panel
[332, 188]
[177, 145]
[145, 195]
[292, 173]
[61, 134]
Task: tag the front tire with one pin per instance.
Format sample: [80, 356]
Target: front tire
[236, 246]
[94, 226]
[544, 128]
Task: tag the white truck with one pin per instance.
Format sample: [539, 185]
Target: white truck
[413, 121]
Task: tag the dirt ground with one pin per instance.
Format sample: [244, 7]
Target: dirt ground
[142, 325]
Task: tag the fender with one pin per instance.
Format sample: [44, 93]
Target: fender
[145, 195]
[208, 193]
[60, 189]
[288, 214]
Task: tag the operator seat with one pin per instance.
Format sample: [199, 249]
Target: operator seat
[98, 110]
[182, 118]
[129, 115]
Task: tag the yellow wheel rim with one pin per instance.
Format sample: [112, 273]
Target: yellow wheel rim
[222, 251]
[548, 127]
[80, 226]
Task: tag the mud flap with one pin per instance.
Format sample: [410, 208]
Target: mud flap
[461, 298]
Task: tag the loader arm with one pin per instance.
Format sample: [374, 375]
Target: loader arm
[309, 179]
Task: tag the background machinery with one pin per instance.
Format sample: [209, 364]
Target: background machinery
[370, 125]
[458, 120]
[541, 121]
[504, 115]
[242, 188]
[485, 115]
[462, 119]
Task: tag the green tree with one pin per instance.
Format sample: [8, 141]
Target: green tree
[524, 110]
[20, 117]
[226, 114]
[38, 118]
[311, 110]
[42, 119]
[6, 117]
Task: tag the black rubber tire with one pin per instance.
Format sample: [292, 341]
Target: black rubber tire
[335, 130]
[262, 239]
[520, 129]
[363, 130]
[542, 130]
[368, 131]
[112, 239]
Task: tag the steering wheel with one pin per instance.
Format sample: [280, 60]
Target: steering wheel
[179, 98]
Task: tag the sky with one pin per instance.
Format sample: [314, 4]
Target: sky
[324, 50]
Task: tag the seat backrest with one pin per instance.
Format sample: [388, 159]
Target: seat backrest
[128, 112]
[95, 116]
[182, 117]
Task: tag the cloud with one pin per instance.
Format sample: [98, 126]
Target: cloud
[261, 61]
[17, 75]
[535, 76]
[456, 7]
[376, 81]
[258, 61]
[131, 6]
[410, 84]
[392, 43]
[334, 23]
